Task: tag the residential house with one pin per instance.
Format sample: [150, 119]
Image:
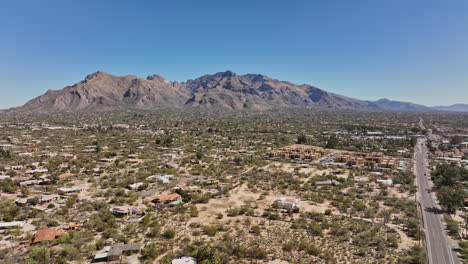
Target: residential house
[136, 185]
[37, 171]
[124, 210]
[161, 178]
[287, 202]
[107, 160]
[187, 188]
[69, 189]
[31, 182]
[166, 199]
[115, 252]
[184, 260]
[385, 181]
[48, 198]
[328, 182]
[358, 179]
[47, 234]
[11, 224]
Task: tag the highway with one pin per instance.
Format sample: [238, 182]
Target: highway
[440, 248]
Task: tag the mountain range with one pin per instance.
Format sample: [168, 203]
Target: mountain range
[101, 91]
[454, 108]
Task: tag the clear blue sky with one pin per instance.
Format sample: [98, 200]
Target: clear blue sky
[410, 50]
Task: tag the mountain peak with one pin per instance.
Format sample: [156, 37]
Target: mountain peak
[155, 77]
[257, 77]
[95, 75]
[383, 100]
[226, 74]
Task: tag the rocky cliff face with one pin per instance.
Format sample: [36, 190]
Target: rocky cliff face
[104, 92]
[225, 90]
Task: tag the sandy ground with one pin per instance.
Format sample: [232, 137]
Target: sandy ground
[394, 192]
[277, 261]
[289, 167]
[28, 227]
[310, 171]
[309, 207]
[133, 259]
[405, 242]
[237, 197]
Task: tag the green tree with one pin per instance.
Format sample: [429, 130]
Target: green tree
[451, 198]
[150, 251]
[301, 139]
[456, 140]
[332, 142]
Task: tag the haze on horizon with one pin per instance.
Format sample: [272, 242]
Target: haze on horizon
[402, 50]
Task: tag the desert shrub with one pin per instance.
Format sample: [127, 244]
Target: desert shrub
[255, 230]
[193, 211]
[169, 233]
[150, 251]
[210, 230]
[415, 255]
[288, 246]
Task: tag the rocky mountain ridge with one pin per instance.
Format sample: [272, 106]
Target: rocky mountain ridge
[101, 91]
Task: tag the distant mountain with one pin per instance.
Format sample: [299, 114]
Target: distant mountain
[101, 91]
[386, 104]
[453, 108]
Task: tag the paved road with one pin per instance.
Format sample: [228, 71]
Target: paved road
[439, 245]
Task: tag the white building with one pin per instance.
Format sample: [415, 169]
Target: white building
[161, 178]
[329, 182]
[135, 186]
[11, 224]
[385, 181]
[30, 182]
[287, 202]
[184, 260]
[37, 170]
[69, 190]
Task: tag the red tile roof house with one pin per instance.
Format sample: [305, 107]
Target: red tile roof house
[165, 200]
[47, 234]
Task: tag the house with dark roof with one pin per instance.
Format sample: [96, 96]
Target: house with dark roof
[115, 252]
